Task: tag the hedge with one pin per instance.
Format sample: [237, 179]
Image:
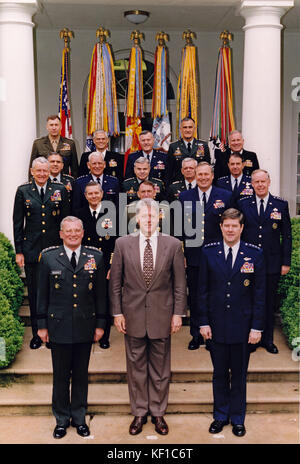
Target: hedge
[289, 290]
[11, 296]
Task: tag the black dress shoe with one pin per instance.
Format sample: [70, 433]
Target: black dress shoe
[238, 430]
[161, 426]
[136, 425]
[217, 426]
[104, 344]
[59, 431]
[194, 344]
[82, 429]
[35, 342]
[270, 347]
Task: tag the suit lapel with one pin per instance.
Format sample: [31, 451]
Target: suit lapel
[34, 192]
[221, 262]
[160, 258]
[239, 260]
[63, 259]
[134, 254]
[49, 191]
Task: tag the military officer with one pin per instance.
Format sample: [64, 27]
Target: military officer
[185, 147]
[109, 184]
[236, 145]
[237, 182]
[114, 161]
[147, 190]
[56, 174]
[38, 209]
[230, 310]
[214, 202]
[142, 172]
[156, 158]
[188, 171]
[100, 229]
[268, 225]
[71, 309]
[55, 142]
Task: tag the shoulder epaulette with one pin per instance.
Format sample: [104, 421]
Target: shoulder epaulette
[92, 248]
[278, 198]
[130, 178]
[68, 176]
[26, 183]
[202, 141]
[56, 182]
[113, 177]
[50, 248]
[253, 246]
[176, 182]
[212, 244]
[156, 180]
[81, 177]
[224, 177]
[246, 198]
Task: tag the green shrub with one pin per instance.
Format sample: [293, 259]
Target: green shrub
[11, 296]
[11, 330]
[289, 290]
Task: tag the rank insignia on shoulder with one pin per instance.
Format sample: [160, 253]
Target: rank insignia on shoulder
[253, 246]
[49, 248]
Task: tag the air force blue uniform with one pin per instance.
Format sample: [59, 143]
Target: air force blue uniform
[157, 164]
[110, 187]
[273, 234]
[244, 188]
[218, 201]
[231, 302]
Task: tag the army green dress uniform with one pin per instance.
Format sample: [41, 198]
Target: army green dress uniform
[175, 189]
[178, 152]
[71, 305]
[131, 186]
[36, 226]
[65, 147]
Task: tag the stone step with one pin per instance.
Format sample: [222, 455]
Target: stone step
[184, 429]
[267, 397]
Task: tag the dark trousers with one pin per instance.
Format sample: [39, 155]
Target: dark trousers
[70, 361]
[192, 276]
[148, 370]
[230, 364]
[272, 281]
[108, 318]
[31, 280]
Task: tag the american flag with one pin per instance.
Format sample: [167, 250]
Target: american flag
[64, 110]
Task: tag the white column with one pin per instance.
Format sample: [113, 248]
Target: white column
[262, 81]
[17, 101]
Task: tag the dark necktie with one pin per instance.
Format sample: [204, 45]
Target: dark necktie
[229, 259]
[190, 186]
[73, 259]
[95, 215]
[54, 179]
[189, 147]
[204, 199]
[148, 157]
[98, 180]
[148, 263]
[261, 209]
[235, 186]
[42, 194]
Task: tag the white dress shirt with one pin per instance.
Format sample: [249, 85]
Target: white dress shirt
[56, 177]
[187, 183]
[266, 199]
[98, 209]
[41, 186]
[96, 177]
[234, 248]
[148, 154]
[143, 243]
[69, 253]
[232, 179]
[207, 194]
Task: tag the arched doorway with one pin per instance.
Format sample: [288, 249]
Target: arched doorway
[121, 58]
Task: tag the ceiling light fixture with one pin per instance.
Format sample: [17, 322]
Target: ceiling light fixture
[136, 16]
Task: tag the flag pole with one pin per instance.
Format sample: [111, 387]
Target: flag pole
[64, 107]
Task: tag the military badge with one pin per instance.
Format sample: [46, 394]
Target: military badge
[56, 196]
[106, 224]
[247, 267]
[66, 146]
[90, 285]
[275, 214]
[177, 152]
[160, 165]
[54, 213]
[68, 186]
[90, 265]
[57, 285]
[246, 282]
[248, 190]
[200, 151]
[219, 204]
[112, 163]
[274, 225]
[248, 163]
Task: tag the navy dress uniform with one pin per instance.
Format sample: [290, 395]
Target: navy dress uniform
[36, 224]
[66, 148]
[242, 188]
[114, 164]
[71, 305]
[231, 300]
[110, 187]
[178, 151]
[104, 243]
[271, 233]
[158, 163]
[221, 164]
[219, 200]
[131, 186]
[68, 182]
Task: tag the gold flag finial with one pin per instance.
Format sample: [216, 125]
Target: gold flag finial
[226, 36]
[161, 38]
[102, 33]
[136, 36]
[188, 36]
[67, 35]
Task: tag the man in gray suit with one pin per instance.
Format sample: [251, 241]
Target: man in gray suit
[150, 268]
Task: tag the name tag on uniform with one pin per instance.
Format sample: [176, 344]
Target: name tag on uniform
[56, 272]
[247, 267]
